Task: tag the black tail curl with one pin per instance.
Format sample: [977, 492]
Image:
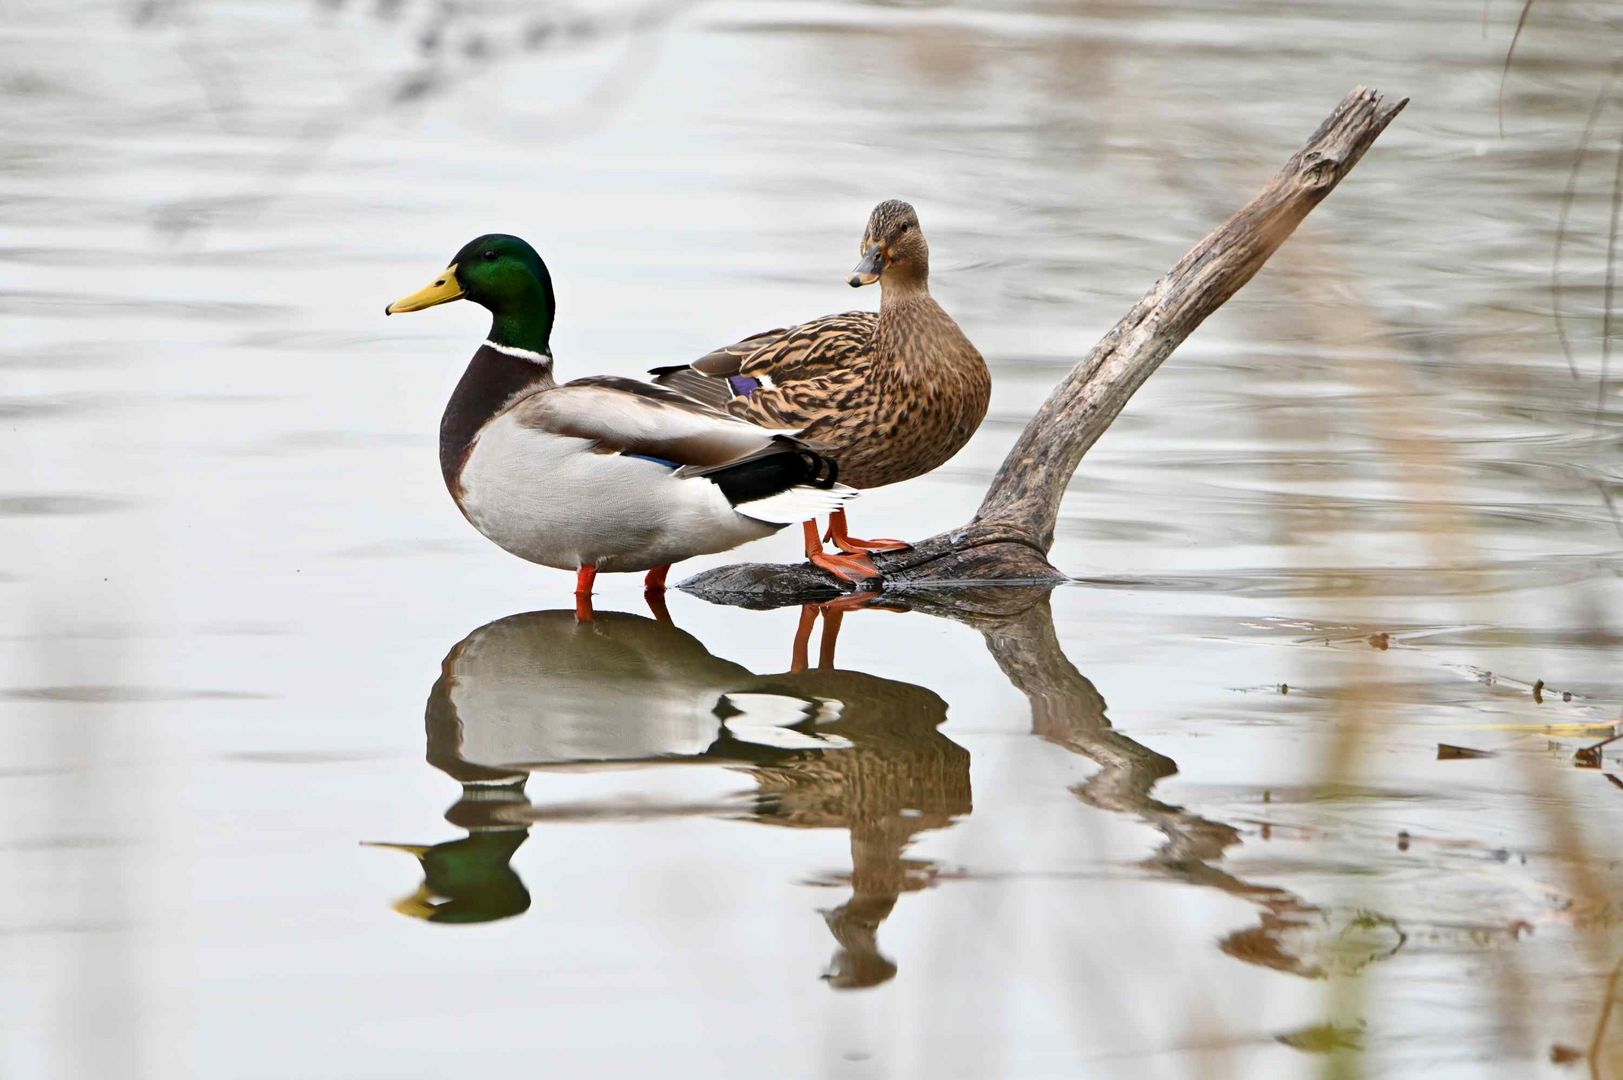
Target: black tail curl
[773, 473]
[825, 471]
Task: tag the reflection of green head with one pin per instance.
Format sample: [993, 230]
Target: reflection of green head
[468, 880]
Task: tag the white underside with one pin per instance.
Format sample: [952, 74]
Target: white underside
[557, 501]
[535, 690]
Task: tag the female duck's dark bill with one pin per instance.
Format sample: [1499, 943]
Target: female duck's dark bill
[444, 288]
[867, 271]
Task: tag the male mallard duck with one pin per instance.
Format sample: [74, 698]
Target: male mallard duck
[601, 473]
[888, 396]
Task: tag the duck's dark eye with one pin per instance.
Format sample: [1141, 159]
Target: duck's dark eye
[490, 256]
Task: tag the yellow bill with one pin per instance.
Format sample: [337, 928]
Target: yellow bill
[441, 290]
[418, 850]
[419, 905]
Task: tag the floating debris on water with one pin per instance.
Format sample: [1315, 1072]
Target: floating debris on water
[1589, 757]
[1324, 1038]
[1561, 1054]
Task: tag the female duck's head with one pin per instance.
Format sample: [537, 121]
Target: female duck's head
[893, 247]
[502, 274]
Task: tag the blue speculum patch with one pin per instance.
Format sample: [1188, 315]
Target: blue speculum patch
[655, 460]
[743, 385]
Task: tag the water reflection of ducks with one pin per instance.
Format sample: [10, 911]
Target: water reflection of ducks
[900, 778]
[828, 749]
[469, 880]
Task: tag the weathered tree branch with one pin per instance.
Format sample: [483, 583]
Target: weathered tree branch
[1012, 532]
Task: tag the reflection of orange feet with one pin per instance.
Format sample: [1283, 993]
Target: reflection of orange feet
[832, 618]
[584, 577]
[850, 544]
[857, 600]
[797, 657]
[655, 599]
[853, 568]
[833, 613]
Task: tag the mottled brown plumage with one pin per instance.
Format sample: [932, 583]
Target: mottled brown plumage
[889, 396]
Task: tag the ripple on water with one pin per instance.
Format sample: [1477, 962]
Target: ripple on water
[52, 406]
[107, 694]
[1384, 581]
[60, 505]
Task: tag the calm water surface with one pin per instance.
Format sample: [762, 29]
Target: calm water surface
[1186, 819]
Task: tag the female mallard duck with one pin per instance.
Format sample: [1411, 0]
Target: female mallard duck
[888, 396]
[601, 473]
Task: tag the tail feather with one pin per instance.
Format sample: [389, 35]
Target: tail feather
[770, 464]
[799, 503]
[779, 465]
[785, 481]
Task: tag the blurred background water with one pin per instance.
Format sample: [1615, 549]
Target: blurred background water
[1193, 824]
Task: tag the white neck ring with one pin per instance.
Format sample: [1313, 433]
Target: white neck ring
[523, 354]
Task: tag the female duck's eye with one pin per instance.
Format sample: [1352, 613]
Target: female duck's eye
[490, 256]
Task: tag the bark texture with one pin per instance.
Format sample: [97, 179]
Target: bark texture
[1009, 538]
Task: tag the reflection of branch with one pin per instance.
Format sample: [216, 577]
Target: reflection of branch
[1606, 1006]
[1068, 711]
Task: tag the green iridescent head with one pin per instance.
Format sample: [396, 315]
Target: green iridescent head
[502, 274]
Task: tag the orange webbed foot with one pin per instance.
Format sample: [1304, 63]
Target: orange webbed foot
[859, 547]
[843, 540]
[853, 568]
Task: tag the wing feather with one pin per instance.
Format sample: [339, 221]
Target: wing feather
[789, 354]
[729, 359]
[810, 350]
[715, 392]
[626, 416]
